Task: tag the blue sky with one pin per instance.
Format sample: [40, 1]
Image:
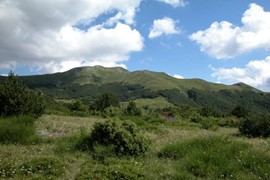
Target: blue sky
[223, 41]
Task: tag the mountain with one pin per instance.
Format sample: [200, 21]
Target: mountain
[87, 83]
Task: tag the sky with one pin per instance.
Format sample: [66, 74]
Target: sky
[221, 41]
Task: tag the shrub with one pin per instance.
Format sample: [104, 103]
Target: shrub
[112, 112]
[17, 99]
[125, 138]
[132, 109]
[255, 125]
[209, 123]
[18, 130]
[77, 106]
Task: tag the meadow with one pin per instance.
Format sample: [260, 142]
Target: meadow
[179, 149]
[148, 138]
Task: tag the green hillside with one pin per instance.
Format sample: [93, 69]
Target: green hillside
[87, 83]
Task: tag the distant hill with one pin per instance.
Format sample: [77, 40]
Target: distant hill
[87, 83]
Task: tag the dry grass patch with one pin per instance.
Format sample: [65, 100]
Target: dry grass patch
[56, 125]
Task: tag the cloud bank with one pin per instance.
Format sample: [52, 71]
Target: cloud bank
[256, 73]
[165, 26]
[223, 40]
[52, 36]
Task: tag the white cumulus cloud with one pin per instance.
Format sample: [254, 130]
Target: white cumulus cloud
[256, 73]
[224, 40]
[165, 26]
[175, 3]
[52, 36]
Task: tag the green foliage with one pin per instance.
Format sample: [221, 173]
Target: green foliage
[17, 130]
[208, 123]
[49, 167]
[217, 157]
[187, 111]
[112, 112]
[239, 111]
[17, 99]
[210, 111]
[112, 169]
[77, 106]
[125, 138]
[132, 109]
[104, 101]
[228, 122]
[255, 125]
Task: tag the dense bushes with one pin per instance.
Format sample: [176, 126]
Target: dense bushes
[255, 125]
[17, 99]
[124, 138]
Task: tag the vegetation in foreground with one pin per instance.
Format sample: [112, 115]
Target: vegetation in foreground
[111, 140]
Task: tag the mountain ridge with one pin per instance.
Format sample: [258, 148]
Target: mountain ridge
[94, 74]
[88, 83]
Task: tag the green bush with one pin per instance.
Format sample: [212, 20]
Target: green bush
[112, 112]
[255, 125]
[77, 106]
[18, 130]
[17, 99]
[209, 123]
[132, 109]
[124, 137]
[228, 122]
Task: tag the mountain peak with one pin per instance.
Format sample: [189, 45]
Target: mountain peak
[245, 86]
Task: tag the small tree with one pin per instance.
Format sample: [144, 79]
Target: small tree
[17, 99]
[104, 101]
[132, 109]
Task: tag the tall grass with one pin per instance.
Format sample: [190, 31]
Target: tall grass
[17, 130]
[217, 157]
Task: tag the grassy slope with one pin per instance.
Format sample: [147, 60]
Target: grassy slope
[56, 145]
[100, 75]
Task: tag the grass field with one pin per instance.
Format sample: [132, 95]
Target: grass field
[179, 150]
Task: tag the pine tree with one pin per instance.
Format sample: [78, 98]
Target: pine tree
[17, 99]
